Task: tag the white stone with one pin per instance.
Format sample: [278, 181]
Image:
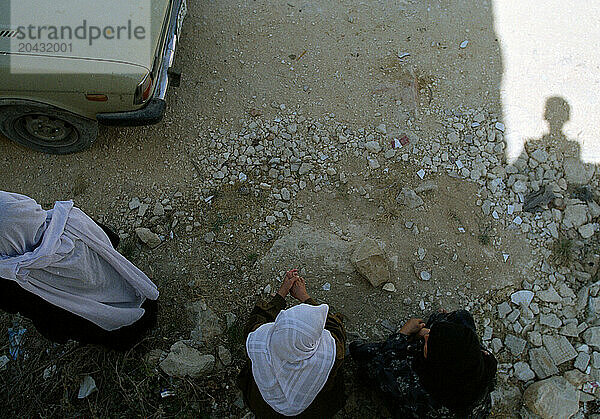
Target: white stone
[373, 146]
[285, 194]
[575, 215]
[425, 276]
[373, 163]
[523, 297]
[587, 230]
[134, 203]
[523, 372]
[159, 210]
[390, 287]
[550, 295]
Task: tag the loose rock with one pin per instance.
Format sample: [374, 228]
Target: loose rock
[369, 260]
[409, 198]
[184, 360]
[552, 398]
[147, 237]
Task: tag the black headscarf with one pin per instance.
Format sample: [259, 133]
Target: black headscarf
[456, 372]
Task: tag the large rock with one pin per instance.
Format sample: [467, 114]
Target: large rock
[368, 259]
[147, 237]
[578, 173]
[322, 254]
[552, 398]
[207, 324]
[184, 360]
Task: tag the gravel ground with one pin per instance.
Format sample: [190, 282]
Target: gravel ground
[300, 129]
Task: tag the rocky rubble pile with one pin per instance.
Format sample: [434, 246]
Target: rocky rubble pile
[546, 327]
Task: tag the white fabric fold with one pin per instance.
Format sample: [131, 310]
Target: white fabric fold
[64, 257]
[292, 357]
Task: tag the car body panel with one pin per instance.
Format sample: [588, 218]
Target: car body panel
[64, 81]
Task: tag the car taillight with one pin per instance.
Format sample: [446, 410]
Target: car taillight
[143, 90]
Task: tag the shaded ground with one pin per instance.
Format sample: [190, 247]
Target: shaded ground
[319, 59]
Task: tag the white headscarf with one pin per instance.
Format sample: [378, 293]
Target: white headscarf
[292, 357]
[64, 257]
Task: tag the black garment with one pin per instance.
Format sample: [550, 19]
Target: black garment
[59, 325]
[394, 368]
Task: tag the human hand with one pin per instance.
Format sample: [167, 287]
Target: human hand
[298, 290]
[423, 332]
[412, 327]
[290, 278]
[291, 273]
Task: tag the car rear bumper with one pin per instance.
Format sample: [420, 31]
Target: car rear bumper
[153, 111]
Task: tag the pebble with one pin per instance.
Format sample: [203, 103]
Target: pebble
[373, 146]
[209, 237]
[224, 355]
[550, 320]
[305, 168]
[134, 203]
[159, 210]
[373, 163]
[147, 237]
[285, 194]
[390, 287]
[142, 209]
[504, 309]
[587, 230]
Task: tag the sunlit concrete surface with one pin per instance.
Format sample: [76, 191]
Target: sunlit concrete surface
[550, 49]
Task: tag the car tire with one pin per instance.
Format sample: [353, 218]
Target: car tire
[46, 128]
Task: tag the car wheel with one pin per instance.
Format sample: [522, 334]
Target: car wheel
[47, 129]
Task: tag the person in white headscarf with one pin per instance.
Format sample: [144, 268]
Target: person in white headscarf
[60, 269]
[295, 356]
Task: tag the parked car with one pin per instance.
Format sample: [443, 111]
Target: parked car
[59, 111]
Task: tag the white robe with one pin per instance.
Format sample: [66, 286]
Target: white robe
[64, 257]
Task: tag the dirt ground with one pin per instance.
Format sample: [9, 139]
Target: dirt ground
[318, 58]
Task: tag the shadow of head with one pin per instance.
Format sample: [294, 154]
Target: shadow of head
[557, 113]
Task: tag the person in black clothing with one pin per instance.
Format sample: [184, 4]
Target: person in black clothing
[436, 369]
